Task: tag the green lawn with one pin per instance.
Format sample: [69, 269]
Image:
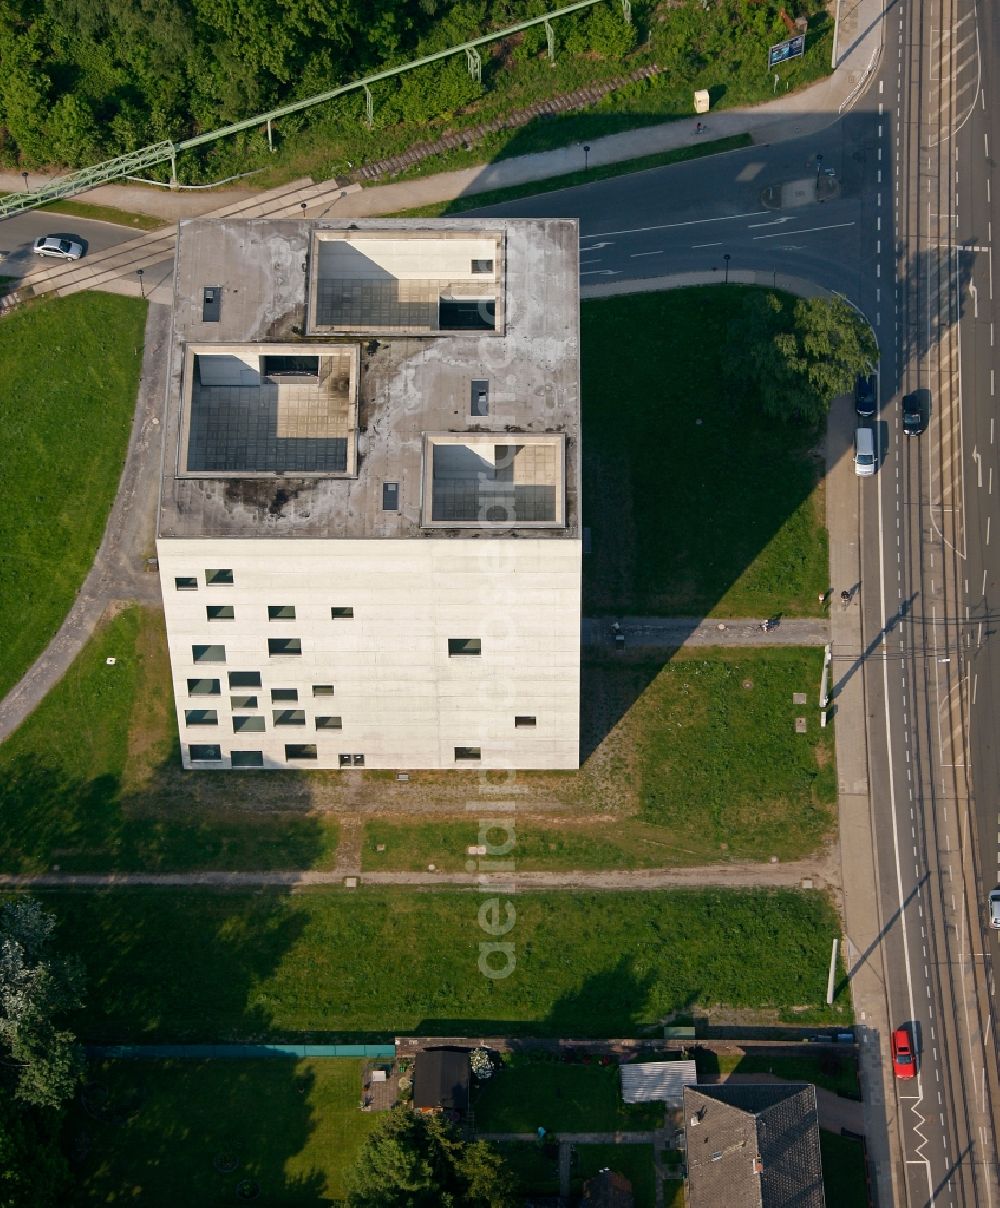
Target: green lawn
[535, 1092]
[156, 1132]
[531, 188]
[83, 803]
[837, 1072]
[635, 1162]
[85, 209]
[194, 965]
[70, 370]
[843, 1171]
[696, 503]
[536, 1167]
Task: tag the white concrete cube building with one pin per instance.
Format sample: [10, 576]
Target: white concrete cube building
[369, 532]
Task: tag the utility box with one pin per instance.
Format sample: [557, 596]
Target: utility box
[702, 103]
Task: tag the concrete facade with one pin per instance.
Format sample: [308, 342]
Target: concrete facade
[412, 603]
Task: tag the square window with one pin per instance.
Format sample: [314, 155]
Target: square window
[220, 612]
[244, 679]
[479, 404]
[247, 759]
[186, 583]
[482, 266]
[219, 578]
[322, 689]
[345, 761]
[208, 654]
[248, 725]
[204, 752]
[467, 753]
[288, 717]
[281, 612]
[283, 646]
[201, 717]
[204, 687]
[329, 723]
[524, 722]
[243, 702]
[358, 761]
[300, 750]
[284, 694]
[390, 496]
[341, 614]
[464, 646]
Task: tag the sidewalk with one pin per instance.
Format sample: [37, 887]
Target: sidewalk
[667, 633]
[786, 117]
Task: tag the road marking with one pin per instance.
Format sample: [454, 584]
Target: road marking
[636, 255]
[669, 226]
[835, 226]
[694, 245]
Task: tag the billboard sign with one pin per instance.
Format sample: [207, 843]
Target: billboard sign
[793, 48]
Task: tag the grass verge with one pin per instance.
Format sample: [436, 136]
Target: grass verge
[843, 1171]
[70, 370]
[559, 1097]
[696, 502]
[166, 1132]
[569, 180]
[82, 803]
[183, 965]
[126, 218]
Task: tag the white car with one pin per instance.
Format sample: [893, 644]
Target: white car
[59, 246]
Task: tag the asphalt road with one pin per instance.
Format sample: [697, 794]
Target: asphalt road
[17, 235]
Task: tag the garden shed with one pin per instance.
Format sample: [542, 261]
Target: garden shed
[657, 1081]
[441, 1080]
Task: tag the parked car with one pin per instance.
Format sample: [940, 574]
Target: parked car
[864, 452]
[916, 412]
[866, 394]
[62, 247]
[994, 902]
[904, 1063]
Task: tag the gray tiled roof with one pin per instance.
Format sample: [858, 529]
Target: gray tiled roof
[753, 1146]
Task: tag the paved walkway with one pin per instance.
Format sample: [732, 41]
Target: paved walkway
[667, 633]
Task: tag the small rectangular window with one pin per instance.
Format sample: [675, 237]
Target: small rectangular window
[243, 702]
[329, 723]
[205, 752]
[322, 689]
[358, 761]
[208, 654]
[482, 266]
[220, 612]
[348, 761]
[201, 717]
[281, 612]
[283, 646]
[464, 646]
[186, 583]
[284, 694]
[479, 404]
[300, 750]
[467, 753]
[211, 303]
[341, 614]
[247, 759]
[288, 717]
[244, 679]
[204, 687]
[248, 725]
[219, 578]
[390, 496]
[524, 722]
[345, 760]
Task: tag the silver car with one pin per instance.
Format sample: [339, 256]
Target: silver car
[994, 901]
[60, 246]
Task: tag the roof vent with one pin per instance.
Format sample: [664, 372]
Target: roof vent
[717, 1156]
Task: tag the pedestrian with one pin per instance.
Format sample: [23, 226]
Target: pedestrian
[845, 598]
[698, 128]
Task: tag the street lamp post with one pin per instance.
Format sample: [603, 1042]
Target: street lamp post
[25, 178]
[142, 289]
[819, 167]
[725, 257]
[586, 156]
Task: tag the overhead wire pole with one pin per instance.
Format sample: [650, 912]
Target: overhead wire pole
[124, 165]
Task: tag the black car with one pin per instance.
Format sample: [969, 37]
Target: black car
[916, 412]
[865, 394]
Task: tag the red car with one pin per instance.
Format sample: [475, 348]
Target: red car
[904, 1063]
